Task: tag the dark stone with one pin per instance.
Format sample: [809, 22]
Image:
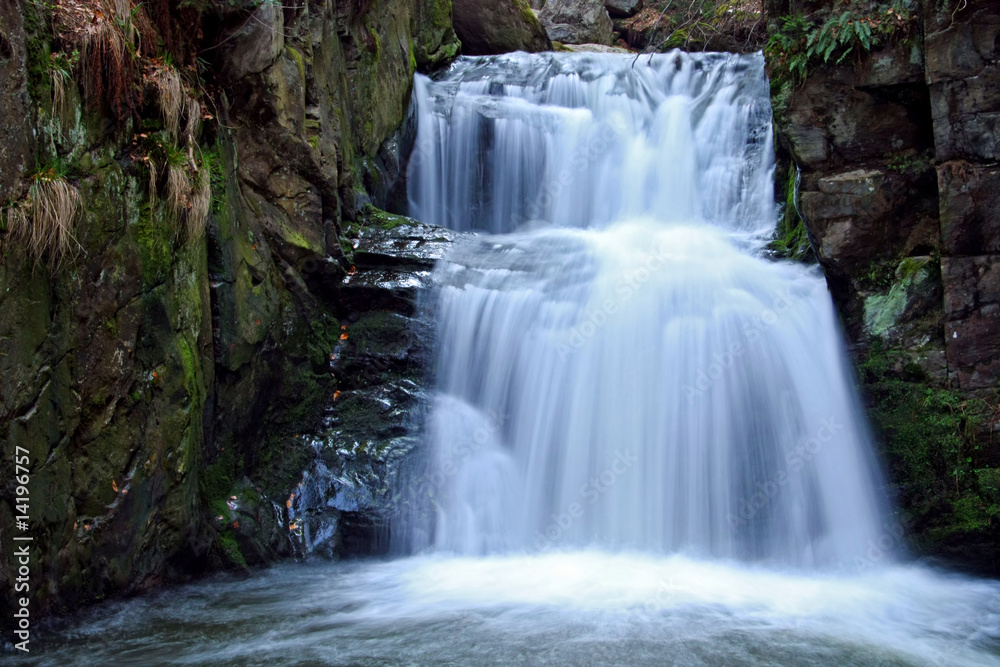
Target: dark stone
[970, 208]
[500, 26]
[624, 8]
[17, 144]
[972, 312]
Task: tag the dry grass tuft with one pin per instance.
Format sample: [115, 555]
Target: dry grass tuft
[189, 199]
[154, 176]
[169, 97]
[44, 222]
[201, 201]
[178, 188]
[60, 80]
[193, 125]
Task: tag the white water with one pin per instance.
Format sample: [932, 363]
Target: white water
[577, 608]
[632, 375]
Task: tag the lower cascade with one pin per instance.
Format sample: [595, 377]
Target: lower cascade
[620, 367]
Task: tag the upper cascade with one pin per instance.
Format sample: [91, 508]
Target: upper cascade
[581, 140]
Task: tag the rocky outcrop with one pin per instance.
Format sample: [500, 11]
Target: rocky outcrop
[381, 364]
[16, 138]
[898, 182]
[576, 21]
[487, 28]
[623, 8]
[898, 160]
[167, 381]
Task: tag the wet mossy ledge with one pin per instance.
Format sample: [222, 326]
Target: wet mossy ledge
[890, 181]
[170, 342]
[940, 449]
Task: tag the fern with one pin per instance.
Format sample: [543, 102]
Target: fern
[801, 41]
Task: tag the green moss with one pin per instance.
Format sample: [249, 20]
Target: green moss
[375, 217]
[878, 277]
[37, 19]
[231, 550]
[154, 237]
[940, 459]
[791, 239]
[216, 481]
[300, 62]
[377, 40]
[191, 366]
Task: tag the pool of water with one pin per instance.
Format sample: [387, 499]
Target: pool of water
[566, 608]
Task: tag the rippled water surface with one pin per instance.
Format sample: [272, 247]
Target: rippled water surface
[581, 608]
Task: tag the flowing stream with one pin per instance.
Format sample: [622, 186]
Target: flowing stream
[645, 446]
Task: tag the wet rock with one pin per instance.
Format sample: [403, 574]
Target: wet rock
[595, 48]
[833, 121]
[381, 365]
[488, 28]
[577, 21]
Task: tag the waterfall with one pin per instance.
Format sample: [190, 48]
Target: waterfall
[619, 365]
[644, 447]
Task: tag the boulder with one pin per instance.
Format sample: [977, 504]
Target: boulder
[487, 28]
[620, 9]
[577, 21]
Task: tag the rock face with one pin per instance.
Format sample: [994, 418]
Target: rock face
[168, 383]
[624, 8]
[898, 189]
[898, 160]
[487, 28]
[576, 21]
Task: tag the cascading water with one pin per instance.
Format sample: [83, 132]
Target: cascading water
[644, 449]
[628, 372]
